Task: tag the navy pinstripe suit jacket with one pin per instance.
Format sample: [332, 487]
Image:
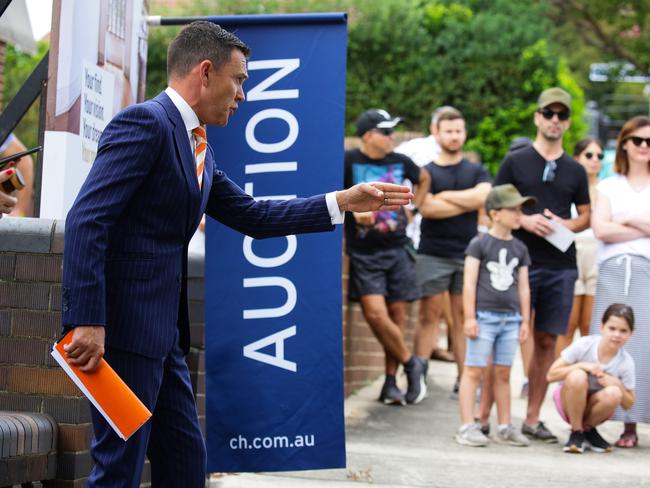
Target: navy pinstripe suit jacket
[126, 236]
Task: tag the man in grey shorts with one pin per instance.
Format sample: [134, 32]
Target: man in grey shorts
[449, 221]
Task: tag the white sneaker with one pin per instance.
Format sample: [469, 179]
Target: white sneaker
[471, 435]
[512, 436]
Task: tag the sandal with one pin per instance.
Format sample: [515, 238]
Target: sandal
[627, 440]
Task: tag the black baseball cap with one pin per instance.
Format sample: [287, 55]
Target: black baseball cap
[375, 118]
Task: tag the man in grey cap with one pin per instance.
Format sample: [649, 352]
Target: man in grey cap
[382, 275]
[544, 171]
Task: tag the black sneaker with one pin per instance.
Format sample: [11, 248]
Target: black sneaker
[455, 389]
[539, 432]
[391, 395]
[595, 442]
[415, 375]
[575, 443]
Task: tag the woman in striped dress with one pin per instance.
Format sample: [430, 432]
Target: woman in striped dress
[621, 220]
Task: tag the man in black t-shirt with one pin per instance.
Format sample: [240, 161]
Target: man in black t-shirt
[544, 171]
[382, 276]
[449, 222]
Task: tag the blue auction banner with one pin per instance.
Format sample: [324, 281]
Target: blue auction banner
[274, 368]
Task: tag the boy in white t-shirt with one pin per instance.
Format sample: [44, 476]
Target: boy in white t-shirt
[597, 376]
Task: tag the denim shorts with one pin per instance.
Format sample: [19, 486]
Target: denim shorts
[498, 335]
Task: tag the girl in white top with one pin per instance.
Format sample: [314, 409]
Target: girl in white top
[598, 376]
[621, 221]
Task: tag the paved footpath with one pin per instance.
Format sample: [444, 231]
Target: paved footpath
[414, 446]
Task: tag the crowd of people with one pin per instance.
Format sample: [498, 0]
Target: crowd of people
[529, 258]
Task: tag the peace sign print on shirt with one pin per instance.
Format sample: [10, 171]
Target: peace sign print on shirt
[501, 273]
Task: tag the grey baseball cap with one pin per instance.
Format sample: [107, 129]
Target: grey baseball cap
[506, 196]
[554, 95]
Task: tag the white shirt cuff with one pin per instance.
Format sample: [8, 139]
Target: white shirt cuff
[333, 208]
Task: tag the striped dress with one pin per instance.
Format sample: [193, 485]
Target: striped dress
[616, 276]
[624, 277]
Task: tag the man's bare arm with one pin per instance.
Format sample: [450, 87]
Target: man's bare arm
[470, 199]
[437, 208]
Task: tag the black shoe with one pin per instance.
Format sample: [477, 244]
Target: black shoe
[575, 442]
[595, 442]
[455, 390]
[415, 371]
[391, 395]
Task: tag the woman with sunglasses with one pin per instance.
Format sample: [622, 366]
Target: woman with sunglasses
[621, 220]
[589, 153]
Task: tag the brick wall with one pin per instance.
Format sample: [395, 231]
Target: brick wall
[30, 315]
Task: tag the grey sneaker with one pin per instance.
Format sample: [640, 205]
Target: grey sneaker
[391, 395]
[415, 375]
[513, 437]
[539, 432]
[471, 436]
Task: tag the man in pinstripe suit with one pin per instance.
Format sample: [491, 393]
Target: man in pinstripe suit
[125, 260]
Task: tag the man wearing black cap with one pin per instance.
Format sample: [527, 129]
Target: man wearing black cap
[544, 171]
[382, 275]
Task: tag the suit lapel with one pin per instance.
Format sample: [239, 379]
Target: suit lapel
[185, 158]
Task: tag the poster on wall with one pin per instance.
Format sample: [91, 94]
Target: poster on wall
[97, 66]
[273, 307]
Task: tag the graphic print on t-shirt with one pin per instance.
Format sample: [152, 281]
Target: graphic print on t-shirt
[501, 272]
[385, 220]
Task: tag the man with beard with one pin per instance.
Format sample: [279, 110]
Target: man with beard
[449, 222]
[544, 171]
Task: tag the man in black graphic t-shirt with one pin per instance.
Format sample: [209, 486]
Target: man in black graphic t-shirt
[544, 171]
[382, 277]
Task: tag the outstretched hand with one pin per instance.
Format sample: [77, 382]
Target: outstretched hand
[377, 195]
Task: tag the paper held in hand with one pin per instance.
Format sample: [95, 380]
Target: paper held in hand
[561, 237]
[121, 408]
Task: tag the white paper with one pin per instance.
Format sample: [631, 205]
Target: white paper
[561, 237]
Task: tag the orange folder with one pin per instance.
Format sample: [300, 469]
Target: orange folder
[108, 393]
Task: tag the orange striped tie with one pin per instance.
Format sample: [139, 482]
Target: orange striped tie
[199, 152]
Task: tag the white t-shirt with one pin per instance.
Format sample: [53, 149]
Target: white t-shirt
[586, 349]
[5, 144]
[623, 199]
[421, 150]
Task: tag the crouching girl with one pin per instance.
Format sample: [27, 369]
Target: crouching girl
[597, 377]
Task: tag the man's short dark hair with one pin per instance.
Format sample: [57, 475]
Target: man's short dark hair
[198, 41]
[449, 113]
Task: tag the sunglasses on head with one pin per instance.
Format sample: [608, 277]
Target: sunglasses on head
[386, 132]
[548, 114]
[590, 155]
[548, 175]
[637, 141]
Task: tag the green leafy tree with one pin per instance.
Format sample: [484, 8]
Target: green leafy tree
[618, 29]
[18, 66]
